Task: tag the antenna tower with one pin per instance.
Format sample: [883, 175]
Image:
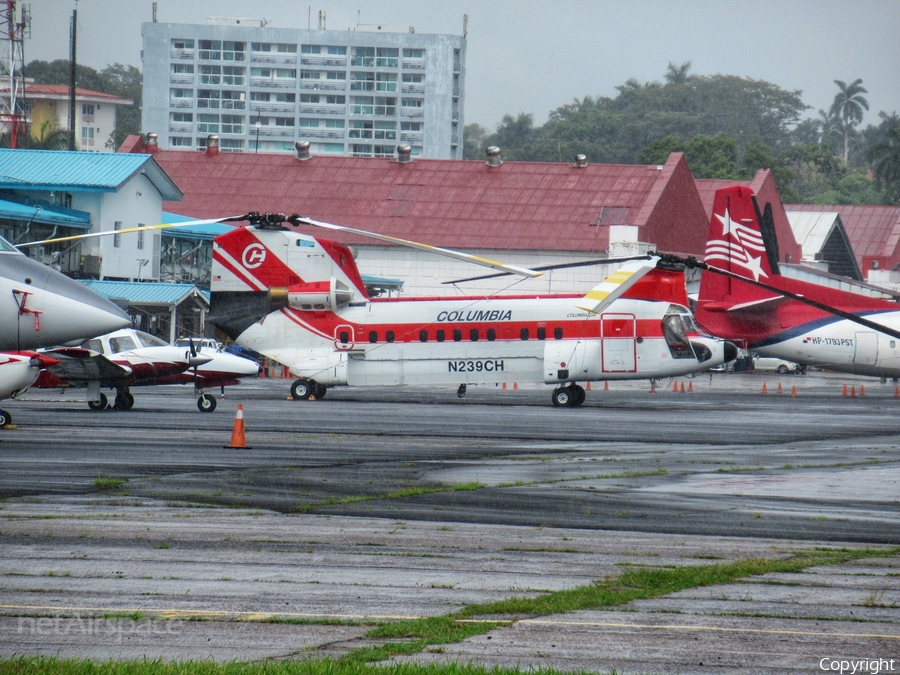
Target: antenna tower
[13, 31]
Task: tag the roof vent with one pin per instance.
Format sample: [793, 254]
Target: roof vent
[302, 148]
[152, 144]
[580, 162]
[212, 145]
[404, 154]
[493, 156]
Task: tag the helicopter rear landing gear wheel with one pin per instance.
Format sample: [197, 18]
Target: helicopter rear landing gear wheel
[302, 389]
[206, 403]
[320, 390]
[99, 404]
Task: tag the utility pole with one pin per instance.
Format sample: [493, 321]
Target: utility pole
[72, 39]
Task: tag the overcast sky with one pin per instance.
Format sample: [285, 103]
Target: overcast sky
[532, 56]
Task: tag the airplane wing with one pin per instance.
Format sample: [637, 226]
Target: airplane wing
[77, 365]
[449, 253]
[616, 284]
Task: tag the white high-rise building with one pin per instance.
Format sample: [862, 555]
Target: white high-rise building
[356, 92]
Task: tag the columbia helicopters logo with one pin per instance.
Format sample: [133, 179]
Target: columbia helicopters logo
[740, 245]
[254, 256]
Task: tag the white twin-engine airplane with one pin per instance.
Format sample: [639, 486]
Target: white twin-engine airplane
[301, 301]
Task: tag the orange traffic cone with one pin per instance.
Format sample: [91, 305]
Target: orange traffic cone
[853, 391]
[690, 386]
[897, 392]
[238, 440]
[652, 387]
[780, 390]
[504, 385]
[765, 390]
[515, 385]
[845, 390]
[606, 387]
[794, 391]
[682, 387]
[587, 386]
[675, 386]
[862, 390]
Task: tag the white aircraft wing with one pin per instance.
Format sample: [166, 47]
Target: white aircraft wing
[77, 364]
[458, 255]
[615, 285]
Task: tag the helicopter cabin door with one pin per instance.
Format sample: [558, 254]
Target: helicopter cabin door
[617, 343]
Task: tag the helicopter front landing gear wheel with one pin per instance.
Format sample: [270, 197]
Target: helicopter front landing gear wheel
[570, 396]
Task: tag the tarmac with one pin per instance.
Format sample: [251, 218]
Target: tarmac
[120, 541]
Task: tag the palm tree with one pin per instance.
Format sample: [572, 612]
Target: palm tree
[678, 74]
[885, 157]
[848, 104]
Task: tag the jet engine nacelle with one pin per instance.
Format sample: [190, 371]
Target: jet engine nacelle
[329, 295]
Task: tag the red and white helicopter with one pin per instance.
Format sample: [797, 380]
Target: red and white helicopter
[300, 300]
[130, 358]
[745, 295]
[40, 307]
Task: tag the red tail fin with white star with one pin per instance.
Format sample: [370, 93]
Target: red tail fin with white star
[741, 241]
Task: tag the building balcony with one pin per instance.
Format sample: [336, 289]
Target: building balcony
[181, 54]
[321, 133]
[179, 128]
[323, 109]
[273, 132]
[273, 107]
[333, 61]
[273, 84]
[413, 64]
[413, 89]
[181, 103]
[279, 59]
[323, 85]
[181, 79]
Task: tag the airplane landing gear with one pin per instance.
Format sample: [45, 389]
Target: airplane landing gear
[303, 389]
[206, 403]
[570, 396]
[99, 404]
[5, 419]
[461, 391]
[124, 399]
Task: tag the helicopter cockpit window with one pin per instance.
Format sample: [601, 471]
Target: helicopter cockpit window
[676, 337]
[7, 247]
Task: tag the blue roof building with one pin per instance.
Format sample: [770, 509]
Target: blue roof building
[46, 194]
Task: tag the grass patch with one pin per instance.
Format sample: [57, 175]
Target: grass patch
[108, 482]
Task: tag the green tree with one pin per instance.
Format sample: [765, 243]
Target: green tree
[515, 137]
[848, 105]
[885, 157]
[678, 74]
[473, 141]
